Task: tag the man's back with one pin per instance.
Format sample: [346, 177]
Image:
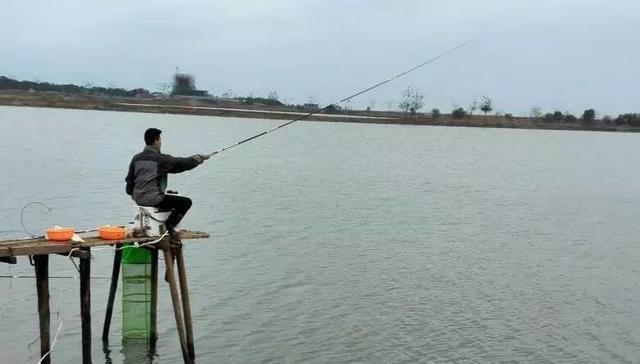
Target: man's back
[147, 177]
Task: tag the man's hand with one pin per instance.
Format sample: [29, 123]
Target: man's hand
[198, 158]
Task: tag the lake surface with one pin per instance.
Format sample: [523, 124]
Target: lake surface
[336, 243]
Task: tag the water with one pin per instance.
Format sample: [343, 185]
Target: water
[339, 242]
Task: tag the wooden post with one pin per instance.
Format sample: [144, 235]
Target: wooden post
[115, 273]
[153, 325]
[186, 305]
[42, 285]
[177, 309]
[85, 306]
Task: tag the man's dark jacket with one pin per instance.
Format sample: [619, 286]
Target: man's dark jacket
[147, 177]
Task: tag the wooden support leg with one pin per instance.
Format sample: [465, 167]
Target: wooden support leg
[153, 325]
[117, 257]
[42, 284]
[85, 307]
[177, 309]
[186, 305]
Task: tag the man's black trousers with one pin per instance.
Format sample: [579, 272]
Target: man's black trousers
[179, 204]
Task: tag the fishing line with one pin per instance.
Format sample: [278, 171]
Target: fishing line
[24, 228]
[461, 45]
[31, 234]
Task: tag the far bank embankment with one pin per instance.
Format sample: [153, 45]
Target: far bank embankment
[209, 107]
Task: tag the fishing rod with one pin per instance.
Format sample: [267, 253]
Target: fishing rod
[461, 45]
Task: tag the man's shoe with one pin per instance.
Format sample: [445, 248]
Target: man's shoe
[175, 236]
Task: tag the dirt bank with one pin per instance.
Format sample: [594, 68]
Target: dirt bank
[211, 107]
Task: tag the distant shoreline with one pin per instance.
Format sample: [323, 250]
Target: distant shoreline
[208, 107]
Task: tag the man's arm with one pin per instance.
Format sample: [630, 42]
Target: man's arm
[172, 164]
[130, 179]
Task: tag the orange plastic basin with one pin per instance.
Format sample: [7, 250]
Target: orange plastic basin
[111, 233]
[59, 234]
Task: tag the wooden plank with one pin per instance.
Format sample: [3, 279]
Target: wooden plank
[117, 257]
[42, 246]
[42, 285]
[32, 250]
[85, 308]
[93, 240]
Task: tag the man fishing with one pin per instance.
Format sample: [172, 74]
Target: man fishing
[147, 179]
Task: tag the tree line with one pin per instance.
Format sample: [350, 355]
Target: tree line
[11, 84]
[412, 101]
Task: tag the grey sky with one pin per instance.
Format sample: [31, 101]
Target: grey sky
[559, 54]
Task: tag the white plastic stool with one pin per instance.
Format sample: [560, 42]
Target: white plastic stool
[151, 220]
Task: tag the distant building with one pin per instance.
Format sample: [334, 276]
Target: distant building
[311, 107]
[185, 85]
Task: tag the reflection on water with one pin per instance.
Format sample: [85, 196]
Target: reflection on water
[131, 353]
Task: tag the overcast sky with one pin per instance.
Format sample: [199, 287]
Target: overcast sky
[559, 54]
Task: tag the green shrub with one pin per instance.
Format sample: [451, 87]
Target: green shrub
[628, 119]
[589, 116]
[458, 113]
[558, 116]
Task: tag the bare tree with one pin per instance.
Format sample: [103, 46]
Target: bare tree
[390, 104]
[536, 112]
[273, 95]
[311, 99]
[228, 93]
[165, 88]
[473, 106]
[412, 100]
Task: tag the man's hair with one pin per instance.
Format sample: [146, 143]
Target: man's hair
[151, 135]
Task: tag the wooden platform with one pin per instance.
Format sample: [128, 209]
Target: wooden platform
[40, 249]
[40, 246]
